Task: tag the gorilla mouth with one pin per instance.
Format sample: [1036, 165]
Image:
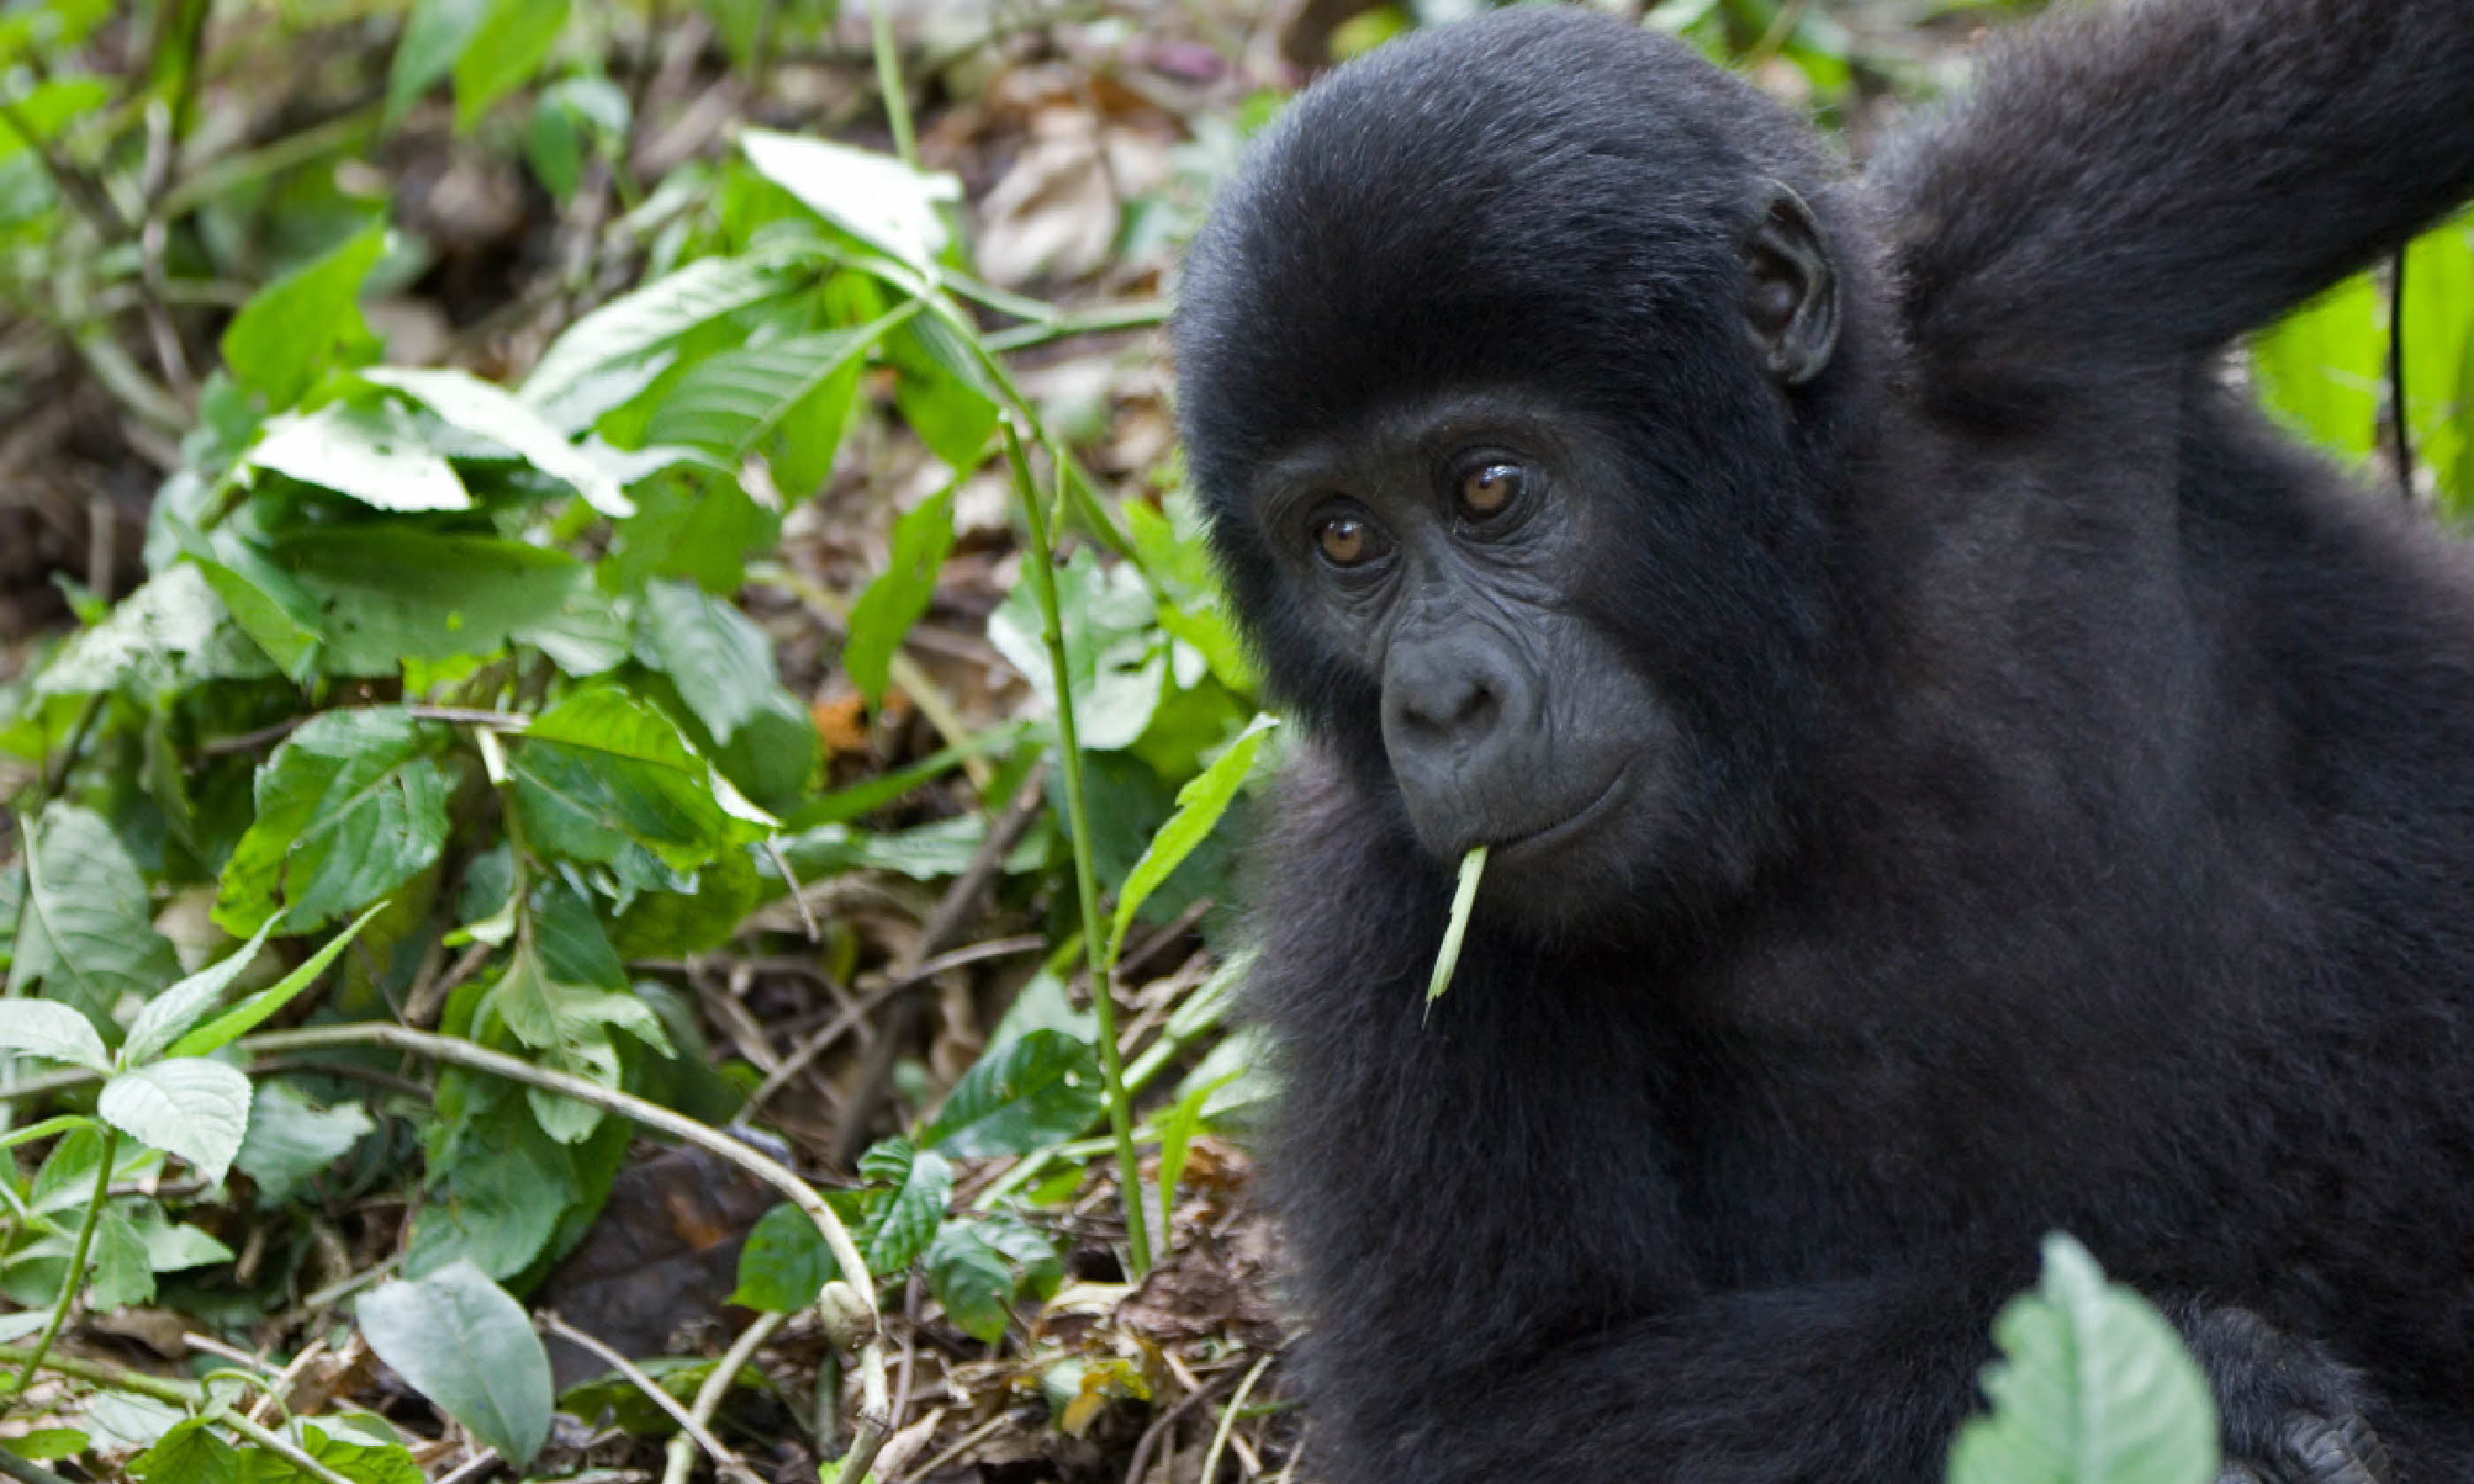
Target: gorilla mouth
[1547, 837]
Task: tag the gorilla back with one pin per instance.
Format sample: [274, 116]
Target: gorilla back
[1953, 772]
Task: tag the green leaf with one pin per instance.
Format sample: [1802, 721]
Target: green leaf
[373, 453]
[460, 1341]
[250, 1013]
[1200, 804]
[188, 1454]
[490, 412]
[265, 601]
[508, 47]
[349, 808]
[977, 1269]
[86, 933]
[173, 1010]
[1114, 662]
[875, 198]
[572, 115]
[147, 635]
[731, 400]
[393, 594]
[2438, 317]
[503, 1188]
[362, 1461]
[47, 1028]
[970, 1278]
[568, 1021]
[192, 1107]
[291, 1139]
[942, 393]
[1042, 1088]
[923, 1184]
[721, 662]
[2318, 371]
[2096, 1389]
[306, 322]
[601, 772]
[637, 324]
[785, 1264]
[900, 593]
[435, 34]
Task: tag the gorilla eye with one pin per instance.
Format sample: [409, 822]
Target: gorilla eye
[1348, 542]
[1488, 488]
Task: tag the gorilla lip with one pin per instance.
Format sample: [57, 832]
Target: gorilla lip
[1570, 824]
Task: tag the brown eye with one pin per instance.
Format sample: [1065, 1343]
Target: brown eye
[1346, 541]
[1489, 490]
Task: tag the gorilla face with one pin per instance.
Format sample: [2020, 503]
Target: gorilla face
[1534, 618]
[1433, 550]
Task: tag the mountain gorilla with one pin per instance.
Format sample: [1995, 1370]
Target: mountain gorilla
[1952, 771]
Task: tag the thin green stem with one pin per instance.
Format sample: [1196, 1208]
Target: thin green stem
[1040, 562]
[889, 81]
[75, 1278]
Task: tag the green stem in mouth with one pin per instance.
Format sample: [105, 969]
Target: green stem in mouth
[1464, 898]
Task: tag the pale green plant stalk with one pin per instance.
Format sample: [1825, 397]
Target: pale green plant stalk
[76, 1279]
[1039, 568]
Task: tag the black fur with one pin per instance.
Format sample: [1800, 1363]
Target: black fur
[2071, 781]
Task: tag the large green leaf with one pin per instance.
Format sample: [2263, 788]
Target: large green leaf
[51, 1030]
[1200, 804]
[877, 198]
[1040, 1088]
[349, 808]
[435, 34]
[393, 594]
[2096, 1389]
[477, 407]
[2319, 370]
[373, 453]
[459, 1340]
[637, 324]
[306, 322]
[190, 1107]
[512, 41]
[601, 773]
[721, 661]
[84, 933]
[731, 400]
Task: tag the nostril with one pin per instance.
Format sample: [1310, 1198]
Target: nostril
[1459, 705]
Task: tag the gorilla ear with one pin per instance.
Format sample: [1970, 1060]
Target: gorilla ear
[1790, 289]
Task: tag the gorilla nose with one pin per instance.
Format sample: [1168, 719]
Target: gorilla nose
[1451, 707]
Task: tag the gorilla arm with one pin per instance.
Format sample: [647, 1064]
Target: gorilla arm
[2136, 182]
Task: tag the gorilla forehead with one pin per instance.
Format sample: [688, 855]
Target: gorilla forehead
[1531, 198]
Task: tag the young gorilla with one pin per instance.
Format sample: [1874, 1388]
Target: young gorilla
[1954, 772]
